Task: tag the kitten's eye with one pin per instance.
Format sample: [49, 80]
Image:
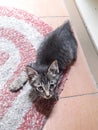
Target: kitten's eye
[40, 88]
[51, 86]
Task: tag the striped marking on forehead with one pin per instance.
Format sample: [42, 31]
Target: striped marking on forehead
[44, 78]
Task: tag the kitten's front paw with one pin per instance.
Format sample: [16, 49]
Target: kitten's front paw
[19, 82]
[56, 97]
[16, 85]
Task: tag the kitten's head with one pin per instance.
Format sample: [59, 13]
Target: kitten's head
[45, 83]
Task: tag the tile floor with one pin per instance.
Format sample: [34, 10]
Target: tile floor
[79, 109]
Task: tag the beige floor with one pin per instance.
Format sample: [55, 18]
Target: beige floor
[77, 108]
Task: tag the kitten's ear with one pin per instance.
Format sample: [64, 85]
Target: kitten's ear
[54, 68]
[31, 72]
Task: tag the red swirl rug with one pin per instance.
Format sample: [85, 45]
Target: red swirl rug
[20, 36]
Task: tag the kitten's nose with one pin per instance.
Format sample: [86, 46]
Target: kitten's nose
[47, 96]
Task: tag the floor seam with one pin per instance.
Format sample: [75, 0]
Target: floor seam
[85, 94]
[53, 16]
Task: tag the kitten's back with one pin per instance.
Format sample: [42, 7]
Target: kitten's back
[59, 45]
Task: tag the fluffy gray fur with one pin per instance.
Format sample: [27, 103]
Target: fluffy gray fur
[57, 51]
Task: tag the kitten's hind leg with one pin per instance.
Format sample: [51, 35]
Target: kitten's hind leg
[19, 82]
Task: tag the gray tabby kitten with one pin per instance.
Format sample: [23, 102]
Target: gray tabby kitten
[55, 54]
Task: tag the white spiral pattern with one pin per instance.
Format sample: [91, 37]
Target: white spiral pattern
[20, 35]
